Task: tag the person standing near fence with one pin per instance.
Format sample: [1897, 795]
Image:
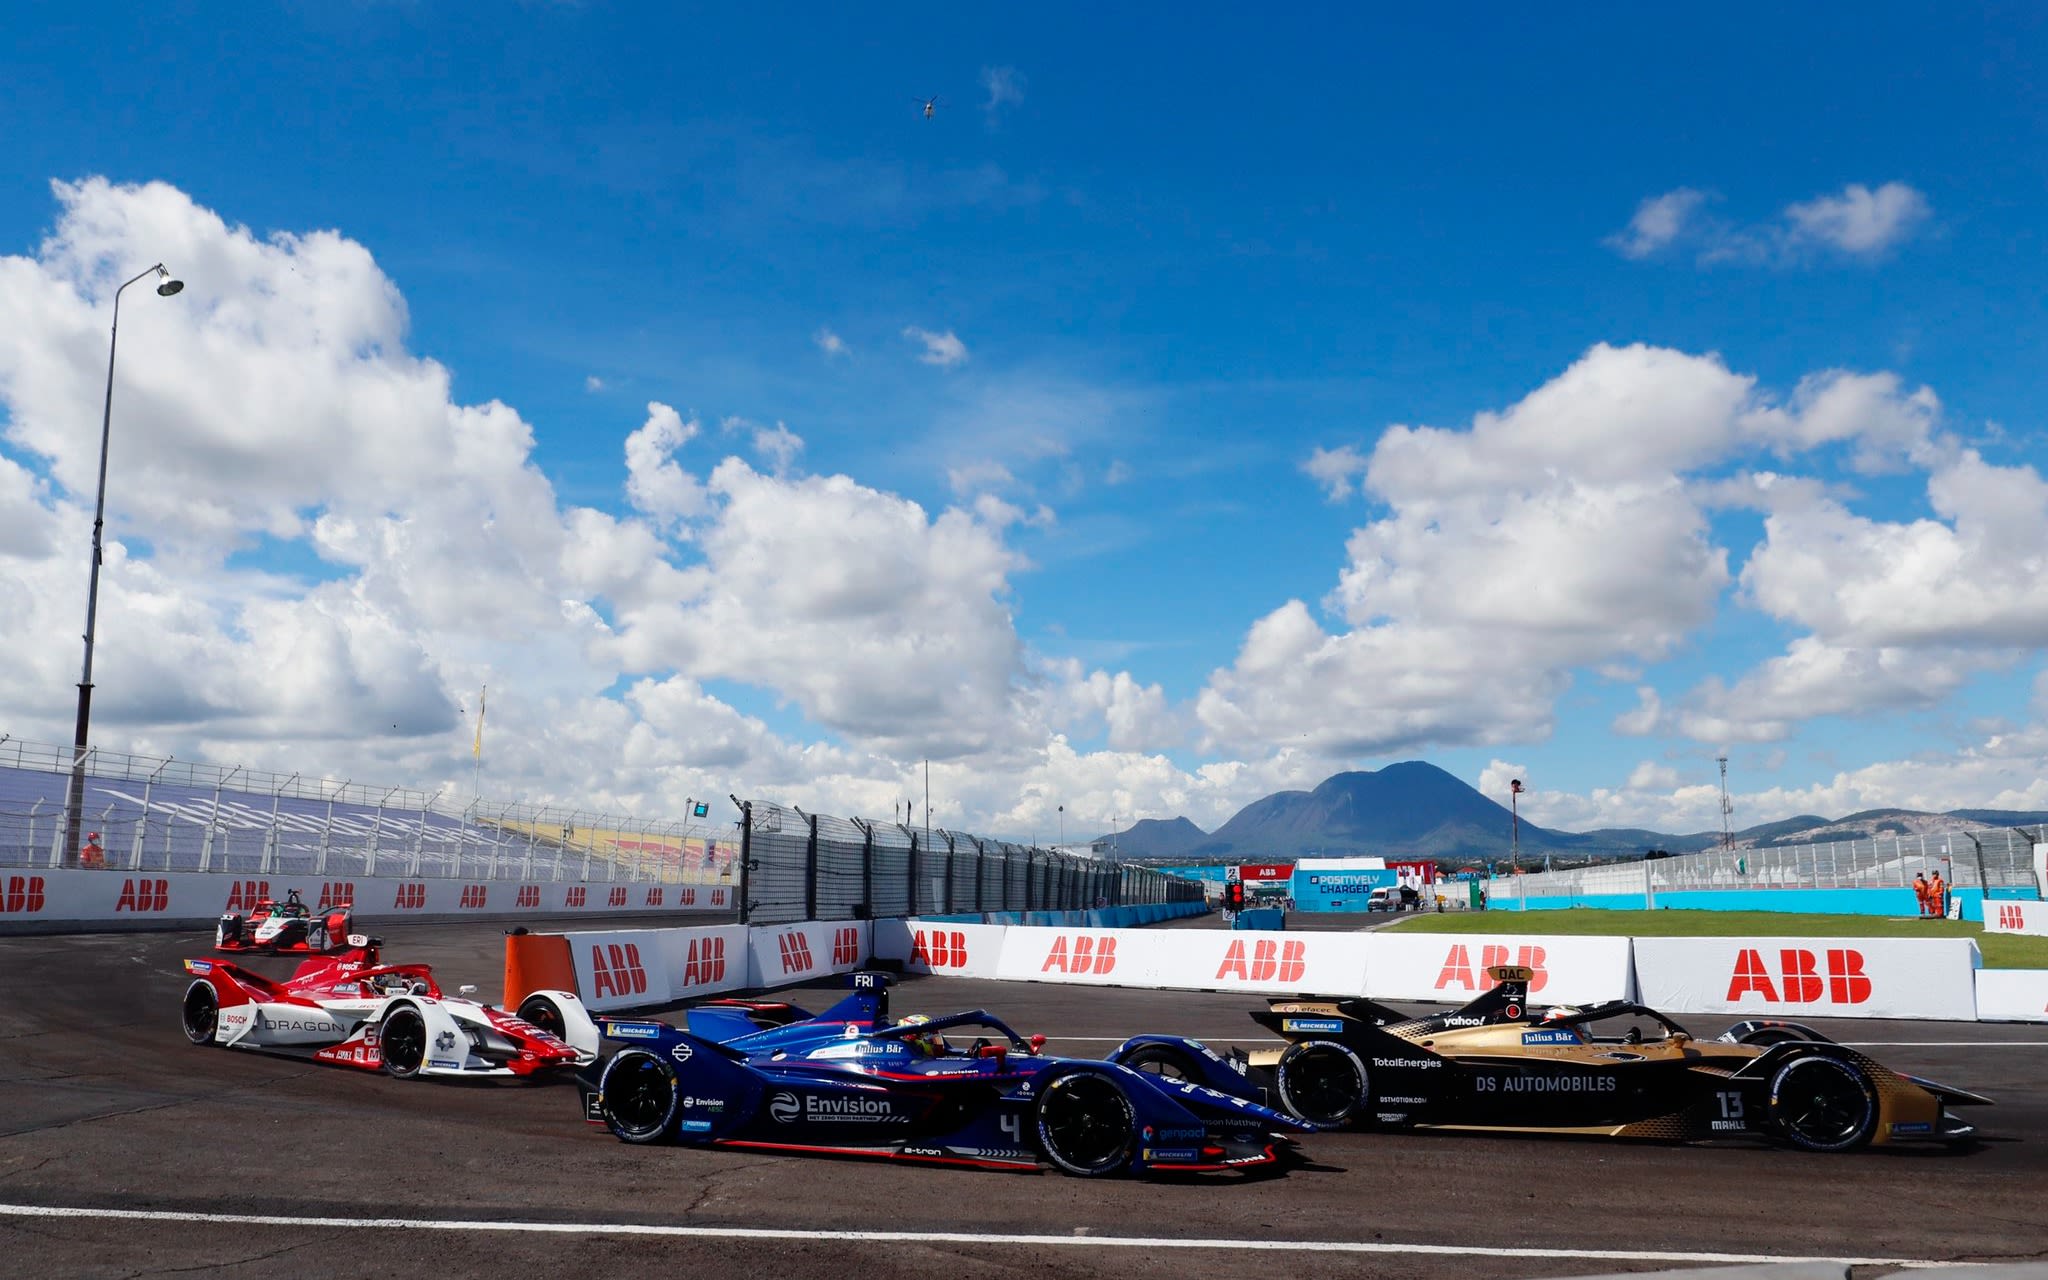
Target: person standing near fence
[1937, 896]
[1920, 891]
[92, 855]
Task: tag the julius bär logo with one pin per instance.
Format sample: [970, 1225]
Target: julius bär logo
[473, 897]
[144, 895]
[337, 893]
[1799, 979]
[846, 947]
[243, 895]
[705, 962]
[796, 953]
[617, 897]
[654, 897]
[615, 970]
[1086, 954]
[1458, 967]
[21, 895]
[1268, 961]
[938, 949]
[528, 896]
[577, 897]
[411, 896]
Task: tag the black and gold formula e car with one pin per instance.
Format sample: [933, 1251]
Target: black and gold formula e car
[1616, 1069]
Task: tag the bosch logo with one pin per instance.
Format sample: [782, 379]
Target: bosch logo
[846, 947]
[704, 963]
[686, 897]
[576, 896]
[22, 895]
[654, 897]
[796, 953]
[473, 897]
[1268, 961]
[144, 896]
[616, 971]
[1459, 970]
[938, 949]
[337, 893]
[243, 895]
[1086, 953]
[528, 897]
[617, 897]
[1800, 979]
[784, 1108]
[411, 896]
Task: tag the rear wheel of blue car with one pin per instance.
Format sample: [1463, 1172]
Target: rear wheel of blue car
[402, 1042]
[640, 1096]
[1321, 1082]
[1824, 1104]
[1086, 1126]
[202, 1013]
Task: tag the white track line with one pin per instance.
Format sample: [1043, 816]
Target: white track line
[943, 1237]
[1853, 1044]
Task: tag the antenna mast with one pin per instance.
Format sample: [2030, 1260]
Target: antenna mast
[1727, 807]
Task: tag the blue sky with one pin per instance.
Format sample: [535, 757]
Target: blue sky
[1140, 303]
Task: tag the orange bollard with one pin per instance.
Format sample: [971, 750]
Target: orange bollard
[537, 962]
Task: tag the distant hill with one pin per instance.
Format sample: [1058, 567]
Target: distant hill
[1414, 809]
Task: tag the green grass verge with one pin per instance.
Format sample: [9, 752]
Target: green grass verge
[2001, 950]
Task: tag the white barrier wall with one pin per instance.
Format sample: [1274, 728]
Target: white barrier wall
[2012, 995]
[785, 953]
[1827, 977]
[1187, 959]
[1451, 967]
[639, 968]
[2001, 916]
[68, 894]
[1097, 957]
[958, 950]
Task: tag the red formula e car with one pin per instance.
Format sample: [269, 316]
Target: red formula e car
[347, 1007]
[288, 926]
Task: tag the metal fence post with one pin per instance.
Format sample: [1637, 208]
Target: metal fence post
[913, 873]
[746, 857]
[810, 865]
[952, 852]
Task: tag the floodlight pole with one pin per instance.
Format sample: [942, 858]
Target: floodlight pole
[74, 797]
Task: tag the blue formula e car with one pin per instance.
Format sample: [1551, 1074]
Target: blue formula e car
[849, 1081]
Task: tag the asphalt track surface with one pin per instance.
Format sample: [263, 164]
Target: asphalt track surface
[105, 1109]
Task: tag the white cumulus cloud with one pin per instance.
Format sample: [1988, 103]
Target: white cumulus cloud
[942, 349]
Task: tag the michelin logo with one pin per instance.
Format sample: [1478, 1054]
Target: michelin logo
[1311, 1024]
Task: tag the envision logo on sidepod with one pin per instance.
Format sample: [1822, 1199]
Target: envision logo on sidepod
[784, 1107]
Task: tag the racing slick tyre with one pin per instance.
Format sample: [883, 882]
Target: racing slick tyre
[640, 1096]
[545, 1014]
[402, 1042]
[202, 1013]
[1823, 1104]
[1086, 1126]
[1163, 1060]
[1321, 1082]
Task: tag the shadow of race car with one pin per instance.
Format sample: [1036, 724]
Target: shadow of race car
[347, 1008]
[850, 1081]
[288, 926]
[1617, 1069]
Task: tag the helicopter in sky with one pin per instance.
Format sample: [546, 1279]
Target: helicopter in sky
[930, 105]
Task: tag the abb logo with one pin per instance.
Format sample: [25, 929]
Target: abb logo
[617, 898]
[411, 896]
[144, 895]
[23, 895]
[616, 971]
[528, 896]
[243, 895]
[939, 949]
[1286, 961]
[686, 897]
[796, 953]
[1799, 978]
[1086, 954]
[337, 893]
[718, 897]
[473, 897]
[705, 962]
[576, 897]
[2011, 916]
[1458, 966]
[845, 947]
[654, 897]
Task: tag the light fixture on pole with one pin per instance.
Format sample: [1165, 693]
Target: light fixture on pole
[74, 799]
[1515, 817]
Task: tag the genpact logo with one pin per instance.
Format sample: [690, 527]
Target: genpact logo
[784, 1108]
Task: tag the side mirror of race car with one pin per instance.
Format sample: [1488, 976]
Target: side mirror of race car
[466, 990]
[1037, 1043]
[359, 939]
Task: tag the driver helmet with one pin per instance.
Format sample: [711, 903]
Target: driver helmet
[929, 1044]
